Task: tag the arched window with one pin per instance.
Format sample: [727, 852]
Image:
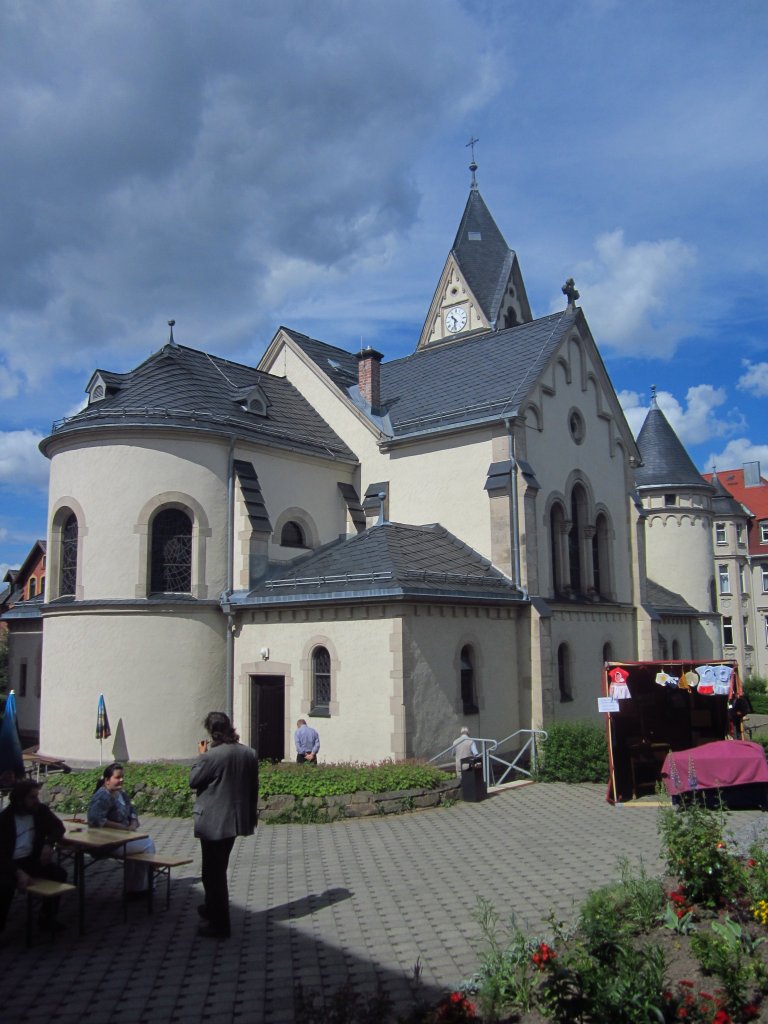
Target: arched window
[601, 576]
[292, 535]
[468, 690]
[664, 647]
[564, 673]
[607, 652]
[676, 650]
[68, 557]
[321, 682]
[557, 525]
[578, 520]
[171, 565]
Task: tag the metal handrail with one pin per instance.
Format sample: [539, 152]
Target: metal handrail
[513, 765]
[488, 746]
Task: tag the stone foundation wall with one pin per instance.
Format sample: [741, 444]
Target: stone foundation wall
[358, 805]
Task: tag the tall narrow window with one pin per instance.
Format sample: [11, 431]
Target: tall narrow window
[68, 571]
[764, 577]
[725, 582]
[171, 552]
[468, 692]
[556, 526]
[23, 679]
[321, 682]
[32, 587]
[574, 555]
[719, 533]
[564, 673]
[601, 577]
[727, 631]
[675, 650]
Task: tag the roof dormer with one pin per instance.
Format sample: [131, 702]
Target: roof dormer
[101, 385]
[253, 399]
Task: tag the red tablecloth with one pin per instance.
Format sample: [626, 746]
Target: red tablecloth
[714, 766]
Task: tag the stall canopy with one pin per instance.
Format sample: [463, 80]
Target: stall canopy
[658, 707]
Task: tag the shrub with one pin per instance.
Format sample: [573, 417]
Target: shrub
[694, 845]
[574, 752]
[162, 787]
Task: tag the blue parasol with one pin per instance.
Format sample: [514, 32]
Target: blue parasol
[103, 731]
[11, 761]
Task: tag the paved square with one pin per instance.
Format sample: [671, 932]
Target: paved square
[319, 906]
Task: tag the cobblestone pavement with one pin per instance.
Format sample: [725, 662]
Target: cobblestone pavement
[353, 902]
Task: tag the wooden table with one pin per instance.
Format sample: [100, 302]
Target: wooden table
[80, 839]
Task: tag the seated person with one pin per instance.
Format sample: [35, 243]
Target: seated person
[109, 807]
[28, 832]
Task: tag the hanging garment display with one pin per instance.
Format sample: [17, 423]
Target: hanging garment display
[689, 680]
[618, 688]
[665, 679]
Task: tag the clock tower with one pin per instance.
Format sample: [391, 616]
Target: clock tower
[481, 288]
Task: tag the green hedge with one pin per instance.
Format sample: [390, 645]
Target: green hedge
[574, 752]
[163, 788]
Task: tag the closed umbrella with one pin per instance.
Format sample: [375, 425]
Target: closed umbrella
[11, 761]
[103, 731]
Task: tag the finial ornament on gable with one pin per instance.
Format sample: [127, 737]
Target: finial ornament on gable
[171, 324]
[473, 165]
[569, 290]
[654, 403]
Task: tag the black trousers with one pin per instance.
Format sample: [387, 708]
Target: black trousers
[32, 867]
[215, 861]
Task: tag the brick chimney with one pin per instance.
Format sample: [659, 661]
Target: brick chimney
[369, 376]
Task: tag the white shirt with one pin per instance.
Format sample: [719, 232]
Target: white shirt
[25, 836]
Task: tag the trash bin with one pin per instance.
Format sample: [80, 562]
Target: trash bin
[473, 787]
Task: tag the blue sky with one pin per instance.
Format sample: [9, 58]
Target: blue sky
[244, 165]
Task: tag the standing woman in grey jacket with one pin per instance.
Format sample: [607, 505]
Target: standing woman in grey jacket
[226, 780]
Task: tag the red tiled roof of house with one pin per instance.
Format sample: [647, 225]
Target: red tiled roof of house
[753, 498]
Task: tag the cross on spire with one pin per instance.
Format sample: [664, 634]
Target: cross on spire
[569, 290]
[473, 165]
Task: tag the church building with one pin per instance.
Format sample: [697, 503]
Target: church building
[389, 548]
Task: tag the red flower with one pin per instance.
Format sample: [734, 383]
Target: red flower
[751, 862]
[721, 1017]
[456, 997]
[750, 1011]
[682, 1013]
[686, 984]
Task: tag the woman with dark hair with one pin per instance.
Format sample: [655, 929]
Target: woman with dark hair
[28, 833]
[226, 780]
[109, 807]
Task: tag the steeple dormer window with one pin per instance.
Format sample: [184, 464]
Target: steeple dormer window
[253, 400]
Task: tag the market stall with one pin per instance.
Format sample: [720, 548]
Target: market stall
[654, 707]
[734, 772]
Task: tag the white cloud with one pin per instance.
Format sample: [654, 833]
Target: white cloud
[632, 294]
[21, 463]
[736, 453]
[694, 422]
[140, 187]
[755, 379]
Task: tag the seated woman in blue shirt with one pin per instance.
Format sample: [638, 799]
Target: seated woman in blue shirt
[109, 807]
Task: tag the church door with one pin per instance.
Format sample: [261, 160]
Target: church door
[268, 717]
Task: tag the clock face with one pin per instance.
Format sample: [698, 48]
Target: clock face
[455, 319]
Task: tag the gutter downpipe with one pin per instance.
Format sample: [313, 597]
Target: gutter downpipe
[231, 627]
[516, 573]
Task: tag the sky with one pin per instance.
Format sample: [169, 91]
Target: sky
[244, 165]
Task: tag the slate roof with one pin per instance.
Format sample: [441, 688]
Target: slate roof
[186, 388]
[485, 261]
[666, 463]
[723, 502]
[478, 378]
[667, 601]
[390, 560]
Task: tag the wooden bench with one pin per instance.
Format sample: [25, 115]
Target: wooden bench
[158, 864]
[43, 889]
